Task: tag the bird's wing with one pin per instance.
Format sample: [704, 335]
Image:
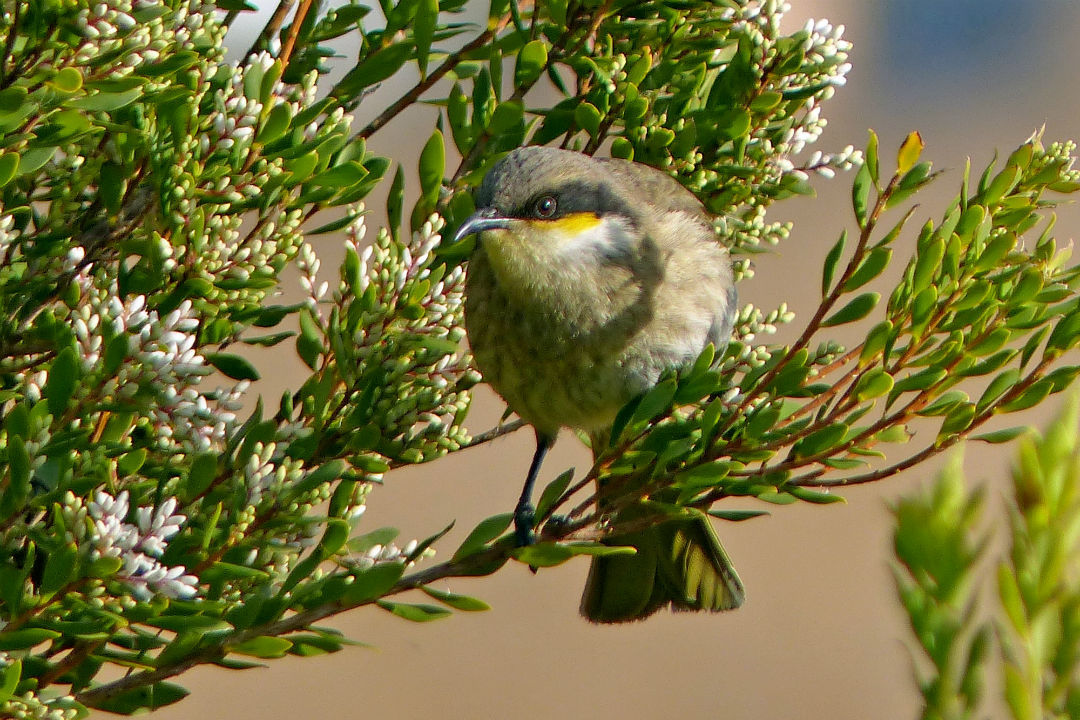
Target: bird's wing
[655, 186]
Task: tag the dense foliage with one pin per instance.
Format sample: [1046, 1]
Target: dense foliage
[152, 194]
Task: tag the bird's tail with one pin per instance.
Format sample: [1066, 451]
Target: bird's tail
[678, 563]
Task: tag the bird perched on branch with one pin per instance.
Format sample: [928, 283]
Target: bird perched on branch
[591, 278]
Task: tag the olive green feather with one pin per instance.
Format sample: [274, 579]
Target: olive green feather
[679, 563]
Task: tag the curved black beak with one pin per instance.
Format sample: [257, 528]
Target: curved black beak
[481, 220]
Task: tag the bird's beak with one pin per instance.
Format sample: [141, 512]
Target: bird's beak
[481, 220]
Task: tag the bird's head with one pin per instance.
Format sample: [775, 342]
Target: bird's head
[545, 209]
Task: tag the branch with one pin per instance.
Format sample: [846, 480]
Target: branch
[414, 93]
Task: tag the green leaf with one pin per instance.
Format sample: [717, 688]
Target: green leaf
[1029, 398]
[105, 101]
[18, 486]
[876, 340]
[909, 152]
[34, 159]
[104, 566]
[414, 612]
[375, 68]
[871, 157]
[59, 568]
[957, 420]
[233, 366]
[427, 17]
[927, 265]
[344, 175]
[543, 554]
[860, 194]
[588, 118]
[507, 116]
[872, 265]
[872, 384]
[68, 80]
[1001, 436]
[150, 697]
[9, 166]
[552, 492]
[26, 638]
[9, 680]
[63, 378]
[814, 496]
[189, 623]
[486, 531]
[263, 647]
[656, 401]
[395, 201]
[458, 602]
[531, 60]
[857, 309]
[432, 165]
[309, 346]
[831, 261]
[820, 441]
[373, 583]
[737, 515]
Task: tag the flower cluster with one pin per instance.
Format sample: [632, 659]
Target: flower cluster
[137, 545]
[408, 330]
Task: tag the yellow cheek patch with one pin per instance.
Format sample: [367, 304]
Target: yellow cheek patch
[571, 224]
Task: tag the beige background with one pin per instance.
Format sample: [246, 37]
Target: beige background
[821, 635]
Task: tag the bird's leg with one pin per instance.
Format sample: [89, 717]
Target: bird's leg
[523, 513]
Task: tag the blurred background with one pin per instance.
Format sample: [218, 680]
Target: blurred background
[821, 634]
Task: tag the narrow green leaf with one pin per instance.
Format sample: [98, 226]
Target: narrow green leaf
[857, 309]
[9, 166]
[414, 612]
[860, 194]
[427, 18]
[263, 647]
[486, 531]
[373, 583]
[737, 515]
[813, 496]
[552, 492]
[458, 602]
[63, 378]
[26, 638]
[233, 366]
[872, 265]
[871, 157]
[9, 680]
[543, 554]
[831, 261]
[1001, 436]
[59, 568]
[432, 165]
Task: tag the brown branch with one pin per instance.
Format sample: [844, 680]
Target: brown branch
[294, 32]
[272, 26]
[414, 93]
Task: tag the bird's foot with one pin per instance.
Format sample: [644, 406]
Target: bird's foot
[524, 517]
[556, 525]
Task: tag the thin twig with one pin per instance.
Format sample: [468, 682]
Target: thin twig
[495, 433]
[272, 26]
[414, 93]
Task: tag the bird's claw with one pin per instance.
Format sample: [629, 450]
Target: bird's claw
[524, 517]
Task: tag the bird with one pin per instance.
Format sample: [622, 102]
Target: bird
[591, 278]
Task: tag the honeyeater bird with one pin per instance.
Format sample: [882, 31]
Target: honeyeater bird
[592, 277]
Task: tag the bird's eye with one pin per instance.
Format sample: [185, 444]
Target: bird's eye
[545, 207]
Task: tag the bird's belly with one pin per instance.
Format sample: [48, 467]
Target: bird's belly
[551, 375]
